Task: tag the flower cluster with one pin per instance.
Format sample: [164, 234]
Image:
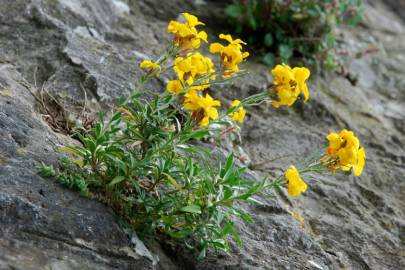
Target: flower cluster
[190, 69]
[344, 152]
[150, 67]
[196, 73]
[231, 55]
[239, 113]
[185, 33]
[288, 84]
[203, 108]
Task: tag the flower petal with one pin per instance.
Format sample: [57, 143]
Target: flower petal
[174, 86]
[361, 160]
[295, 184]
[226, 37]
[216, 48]
[203, 35]
[191, 19]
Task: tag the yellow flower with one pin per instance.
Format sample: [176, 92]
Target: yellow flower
[295, 184]
[174, 87]
[301, 74]
[191, 101]
[361, 161]
[289, 83]
[344, 152]
[231, 55]
[150, 66]
[239, 114]
[193, 67]
[203, 108]
[186, 35]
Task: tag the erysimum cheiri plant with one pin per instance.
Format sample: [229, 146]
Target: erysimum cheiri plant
[144, 161]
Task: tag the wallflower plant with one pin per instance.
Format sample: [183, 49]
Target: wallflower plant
[146, 161]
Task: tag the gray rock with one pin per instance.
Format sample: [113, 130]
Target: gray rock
[43, 225]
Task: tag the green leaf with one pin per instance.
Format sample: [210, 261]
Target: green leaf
[203, 252]
[173, 182]
[255, 201]
[116, 180]
[285, 53]
[167, 220]
[253, 22]
[90, 144]
[116, 117]
[242, 214]
[268, 40]
[228, 165]
[227, 229]
[192, 208]
[233, 11]
[228, 192]
[194, 149]
[180, 234]
[220, 244]
[199, 134]
[236, 236]
[268, 59]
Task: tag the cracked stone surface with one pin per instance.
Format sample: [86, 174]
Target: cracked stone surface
[88, 50]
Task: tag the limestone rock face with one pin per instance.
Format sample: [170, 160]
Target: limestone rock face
[85, 52]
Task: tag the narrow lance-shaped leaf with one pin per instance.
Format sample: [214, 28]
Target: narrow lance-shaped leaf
[192, 208]
[116, 180]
